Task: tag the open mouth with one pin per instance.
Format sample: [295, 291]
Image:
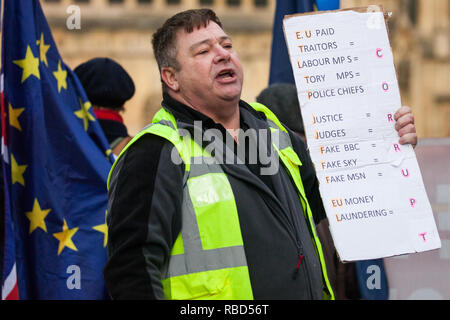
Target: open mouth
[226, 74]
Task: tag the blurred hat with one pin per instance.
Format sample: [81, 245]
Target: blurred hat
[106, 83]
[282, 100]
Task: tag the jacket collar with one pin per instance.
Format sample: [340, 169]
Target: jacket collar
[186, 114]
[249, 117]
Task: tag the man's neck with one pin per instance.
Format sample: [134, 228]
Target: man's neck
[225, 113]
[233, 126]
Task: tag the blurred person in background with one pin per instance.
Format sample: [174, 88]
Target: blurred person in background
[108, 86]
[281, 99]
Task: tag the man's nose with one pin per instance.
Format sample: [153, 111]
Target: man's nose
[222, 54]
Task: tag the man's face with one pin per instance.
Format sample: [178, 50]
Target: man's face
[210, 71]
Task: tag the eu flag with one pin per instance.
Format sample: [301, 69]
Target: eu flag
[280, 65]
[56, 161]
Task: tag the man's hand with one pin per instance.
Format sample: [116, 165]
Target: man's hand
[405, 126]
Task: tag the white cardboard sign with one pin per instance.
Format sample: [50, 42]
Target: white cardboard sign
[347, 87]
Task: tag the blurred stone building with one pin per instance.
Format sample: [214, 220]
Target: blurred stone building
[122, 29]
[420, 39]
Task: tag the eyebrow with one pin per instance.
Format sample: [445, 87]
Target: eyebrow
[208, 41]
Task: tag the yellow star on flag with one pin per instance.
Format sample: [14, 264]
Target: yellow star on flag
[43, 48]
[17, 171]
[108, 154]
[37, 217]
[84, 113]
[14, 115]
[65, 238]
[29, 64]
[103, 228]
[60, 76]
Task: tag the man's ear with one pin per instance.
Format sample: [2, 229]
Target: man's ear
[168, 76]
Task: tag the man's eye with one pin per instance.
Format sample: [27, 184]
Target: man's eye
[228, 46]
[203, 51]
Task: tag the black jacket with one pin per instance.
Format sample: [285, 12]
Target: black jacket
[144, 216]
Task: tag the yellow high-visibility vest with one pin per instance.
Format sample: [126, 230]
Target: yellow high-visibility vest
[208, 259]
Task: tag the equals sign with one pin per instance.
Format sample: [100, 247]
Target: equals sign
[352, 43]
[374, 145]
[368, 115]
[391, 211]
[357, 74]
[370, 130]
[380, 174]
[375, 160]
[355, 58]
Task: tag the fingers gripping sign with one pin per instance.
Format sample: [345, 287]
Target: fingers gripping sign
[405, 126]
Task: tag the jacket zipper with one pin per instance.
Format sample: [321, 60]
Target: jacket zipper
[299, 262]
[301, 258]
[324, 286]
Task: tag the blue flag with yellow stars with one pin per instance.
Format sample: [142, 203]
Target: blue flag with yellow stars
[56, 161]
[280, 65]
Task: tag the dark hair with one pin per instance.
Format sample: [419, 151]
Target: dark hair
[163, 40]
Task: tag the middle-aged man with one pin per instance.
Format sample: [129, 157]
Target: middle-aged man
[195, 209]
